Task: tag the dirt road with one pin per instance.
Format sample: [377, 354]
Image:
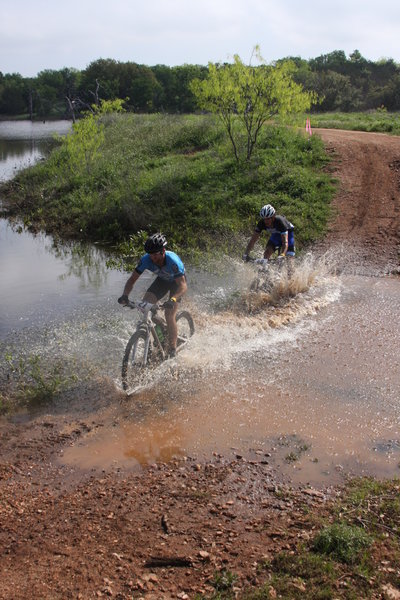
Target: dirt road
[367, 205]
[165, 531]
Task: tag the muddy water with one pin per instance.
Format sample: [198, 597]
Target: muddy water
[311, 386]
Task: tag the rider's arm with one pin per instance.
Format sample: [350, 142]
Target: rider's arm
[252, 241]
[284, 237]
[130, 283]
[181, 287]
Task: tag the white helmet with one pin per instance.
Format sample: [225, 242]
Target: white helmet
[267, 211]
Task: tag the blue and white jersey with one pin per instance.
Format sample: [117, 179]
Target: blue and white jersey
[171, 269]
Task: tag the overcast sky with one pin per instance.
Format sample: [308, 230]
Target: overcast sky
[52, 34]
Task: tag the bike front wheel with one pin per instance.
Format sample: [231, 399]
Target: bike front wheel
[135, 358]
[185, 326]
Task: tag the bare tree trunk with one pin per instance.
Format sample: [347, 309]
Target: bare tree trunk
[96, 93]
[71, 108]
[30, 105]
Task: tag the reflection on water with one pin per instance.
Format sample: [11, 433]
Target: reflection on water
[19, 154]
[33, 130]
[133, 445]
[42, 279]
[23, 143]
[82, 261]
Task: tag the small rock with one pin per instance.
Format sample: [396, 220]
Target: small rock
[391, 593]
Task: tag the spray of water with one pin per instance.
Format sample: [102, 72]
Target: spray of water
[230, 320]
[246, 319]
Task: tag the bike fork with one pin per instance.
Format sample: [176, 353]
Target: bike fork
[146, 329]
[146, 348]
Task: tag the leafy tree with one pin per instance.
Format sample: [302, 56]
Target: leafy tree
[174, 93]
[83, 144]
[333, 61]
[106, 72]
[109, 79]
[387, 95]
[248, 96]
[185, 101]
[336, 92]
[48, 88]
[164, 98]
[13, 94]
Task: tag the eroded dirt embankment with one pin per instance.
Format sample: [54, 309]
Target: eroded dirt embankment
[69, 534]
[367, 204]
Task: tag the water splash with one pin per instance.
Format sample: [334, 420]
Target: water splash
[241, 321]
[230, 321]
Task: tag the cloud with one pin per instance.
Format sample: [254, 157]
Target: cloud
[37, 36]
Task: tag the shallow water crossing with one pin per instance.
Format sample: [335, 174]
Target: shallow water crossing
[315, 393]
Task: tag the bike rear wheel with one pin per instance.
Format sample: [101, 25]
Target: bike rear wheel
[134, 358]
[185, 326]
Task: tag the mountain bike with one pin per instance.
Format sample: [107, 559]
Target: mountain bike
[148, 345]
[269, 272]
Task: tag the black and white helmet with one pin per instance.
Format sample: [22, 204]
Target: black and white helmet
[155, 243]
[267, 211]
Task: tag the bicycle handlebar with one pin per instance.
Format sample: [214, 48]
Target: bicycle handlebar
[143, 306]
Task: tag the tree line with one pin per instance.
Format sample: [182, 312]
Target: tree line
[341, 83]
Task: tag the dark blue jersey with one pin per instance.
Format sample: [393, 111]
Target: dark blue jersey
[280, 225]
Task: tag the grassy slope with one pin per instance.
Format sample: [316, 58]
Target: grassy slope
[178, 175]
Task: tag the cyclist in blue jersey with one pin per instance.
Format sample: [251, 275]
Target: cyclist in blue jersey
[170, 279]
[281, 234]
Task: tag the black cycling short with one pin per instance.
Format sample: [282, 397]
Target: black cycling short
[160, 287]
[291, 251]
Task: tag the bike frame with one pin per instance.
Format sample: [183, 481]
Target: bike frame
[147, 323]
[146, 328]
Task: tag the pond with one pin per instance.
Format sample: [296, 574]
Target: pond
[22, 143]
[40, 278]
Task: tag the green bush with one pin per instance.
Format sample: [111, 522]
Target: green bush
[341, 541]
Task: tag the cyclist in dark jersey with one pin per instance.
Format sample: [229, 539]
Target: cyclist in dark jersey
[170, 279]
[281, 230]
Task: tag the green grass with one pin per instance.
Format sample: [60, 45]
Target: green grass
[375, 504]
[343, 542]
[176, 174]
[380, 121]
[30, 381]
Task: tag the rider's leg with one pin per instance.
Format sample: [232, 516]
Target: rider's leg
[291, 251]
[157, 290]
[170, 314]
[170, 317]
[150, 297]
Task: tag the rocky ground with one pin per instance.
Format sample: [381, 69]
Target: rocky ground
[168, 530]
